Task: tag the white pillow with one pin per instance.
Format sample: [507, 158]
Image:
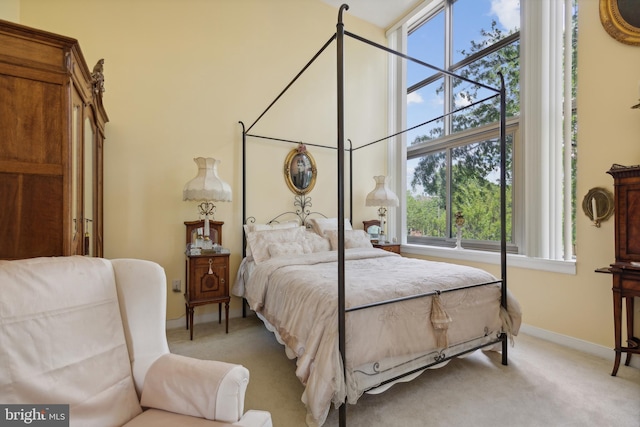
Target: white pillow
[352, 239]
[280, 249]
[320, 225]
[316, 243]
[260, 241]
[248, 228]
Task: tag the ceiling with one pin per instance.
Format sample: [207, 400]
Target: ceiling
[382, 13]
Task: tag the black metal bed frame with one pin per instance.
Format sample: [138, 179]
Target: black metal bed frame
[341, 150]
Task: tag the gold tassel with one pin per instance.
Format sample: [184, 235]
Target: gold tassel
[440, 321]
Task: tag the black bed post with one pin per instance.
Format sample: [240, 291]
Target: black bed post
[244, 203]
[503, 207]
[350, 182]
[341, 282]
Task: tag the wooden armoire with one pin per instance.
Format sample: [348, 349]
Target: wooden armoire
[51, 146]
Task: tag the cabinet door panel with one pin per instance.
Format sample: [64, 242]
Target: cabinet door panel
[632, 224]
[209, 278]
[627, 212]
[31, 216]
[30, 121]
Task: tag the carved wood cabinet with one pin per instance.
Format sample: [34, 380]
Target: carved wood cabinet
[51, 136]
[626, 269]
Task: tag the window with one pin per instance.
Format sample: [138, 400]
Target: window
[453, 162]
[448, 160]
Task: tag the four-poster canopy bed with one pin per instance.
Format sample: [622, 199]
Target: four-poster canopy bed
[359, 319]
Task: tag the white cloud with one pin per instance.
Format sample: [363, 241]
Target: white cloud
[508, 13]
[462, 101]
[414, 98]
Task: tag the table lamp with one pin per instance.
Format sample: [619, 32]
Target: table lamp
[207, 187]
[383, 197]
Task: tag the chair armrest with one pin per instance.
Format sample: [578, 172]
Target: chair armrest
[142, 295]
[254, 418]
[201, 388]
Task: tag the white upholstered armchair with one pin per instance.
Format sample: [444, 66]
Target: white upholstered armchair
[90, 333]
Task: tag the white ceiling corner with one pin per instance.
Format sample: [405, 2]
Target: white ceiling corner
[382, 13]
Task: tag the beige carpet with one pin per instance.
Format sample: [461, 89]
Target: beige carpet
[545, 385]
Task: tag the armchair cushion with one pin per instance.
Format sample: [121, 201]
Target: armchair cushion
[194, 387]
[60, 327]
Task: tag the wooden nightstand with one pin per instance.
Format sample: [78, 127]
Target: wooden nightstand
[391, 247]
[207, 277]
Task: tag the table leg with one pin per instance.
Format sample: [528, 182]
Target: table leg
[630, 307]
[226, 316]
[219, 313]
[186, 314]
[617, 320]
[191, 323]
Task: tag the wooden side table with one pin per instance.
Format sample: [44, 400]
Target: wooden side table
[207, 283]
[207, 276]
[626, 285]
[390, 247]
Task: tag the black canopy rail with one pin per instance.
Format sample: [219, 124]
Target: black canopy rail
[322, 49]
[342, 310]
[426, 122]
[417, 296]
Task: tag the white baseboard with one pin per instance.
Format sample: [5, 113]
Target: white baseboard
[577, 344]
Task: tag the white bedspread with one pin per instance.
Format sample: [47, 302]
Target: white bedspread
[297, 295]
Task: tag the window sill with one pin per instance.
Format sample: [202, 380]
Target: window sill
[513, 260]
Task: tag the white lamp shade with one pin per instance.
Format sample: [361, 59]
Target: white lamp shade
[207, 185]
[381, 195]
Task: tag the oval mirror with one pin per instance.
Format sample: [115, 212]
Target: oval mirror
[300, 170]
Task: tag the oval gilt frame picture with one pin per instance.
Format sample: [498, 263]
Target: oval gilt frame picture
[621, 19]
[300, 171]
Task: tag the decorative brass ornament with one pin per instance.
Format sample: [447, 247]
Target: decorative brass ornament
[598, 205]
[300, 170]
[621, 19]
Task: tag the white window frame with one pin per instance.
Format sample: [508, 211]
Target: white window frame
[544, 183]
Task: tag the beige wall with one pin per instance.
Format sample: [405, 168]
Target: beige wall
[609, 132]
[179, 76]
[10, 10]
